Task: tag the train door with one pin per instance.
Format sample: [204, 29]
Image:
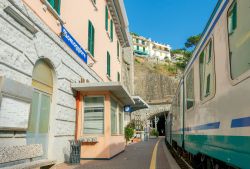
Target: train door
[181, 111]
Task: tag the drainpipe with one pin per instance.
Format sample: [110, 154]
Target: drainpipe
[78, 102]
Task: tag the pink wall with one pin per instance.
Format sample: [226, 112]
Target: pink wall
[107, 145]
[38, 8]
[76, 14]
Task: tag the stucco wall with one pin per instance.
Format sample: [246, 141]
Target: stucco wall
[18, 54]
[76, 16]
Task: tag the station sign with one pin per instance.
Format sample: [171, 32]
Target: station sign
[74, 45]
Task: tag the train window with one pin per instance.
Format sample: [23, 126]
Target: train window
[239, 39]
[190, 89]
[206, 68]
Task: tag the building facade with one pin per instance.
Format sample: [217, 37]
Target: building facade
[145, 47]
[51, 52]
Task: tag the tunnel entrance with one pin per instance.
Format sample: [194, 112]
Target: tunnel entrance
[161, 125]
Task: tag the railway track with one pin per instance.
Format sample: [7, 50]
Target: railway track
[180, 160]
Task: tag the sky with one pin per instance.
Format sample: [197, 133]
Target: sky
[168, 21]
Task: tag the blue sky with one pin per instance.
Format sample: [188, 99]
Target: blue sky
[168, 21]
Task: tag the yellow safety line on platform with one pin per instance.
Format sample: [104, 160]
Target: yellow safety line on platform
[153, 159]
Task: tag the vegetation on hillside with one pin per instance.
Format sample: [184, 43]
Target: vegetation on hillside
[167, 67]
[187, 51]
[163, 67]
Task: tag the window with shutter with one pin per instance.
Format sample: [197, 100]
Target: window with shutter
[56, 4]
[111, 30]
[91, 38]
[93, 115]
[106, 18]
[108, 64]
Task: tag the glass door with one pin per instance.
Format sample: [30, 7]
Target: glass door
[39, 120]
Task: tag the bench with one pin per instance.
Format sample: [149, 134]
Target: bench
[23, 157]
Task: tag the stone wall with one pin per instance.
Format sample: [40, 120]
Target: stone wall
[152, 86]
[19, 51]
[128, 69]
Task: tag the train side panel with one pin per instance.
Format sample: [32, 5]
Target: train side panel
[219, 126]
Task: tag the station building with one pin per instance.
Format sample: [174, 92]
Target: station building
[66, 72]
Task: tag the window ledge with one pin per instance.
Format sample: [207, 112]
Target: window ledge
[93, 61]
[54, 13]
[94, 4]
[117, 135]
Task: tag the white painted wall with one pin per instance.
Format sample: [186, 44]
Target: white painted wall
[18, 53]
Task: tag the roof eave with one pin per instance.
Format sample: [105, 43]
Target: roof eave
[116, 88]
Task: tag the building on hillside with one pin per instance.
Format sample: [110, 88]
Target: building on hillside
[64, 75]
[176, 57]
[145, 47]
[141, 45]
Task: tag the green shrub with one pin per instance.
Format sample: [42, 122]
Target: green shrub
[131, 124]
[154, 132]
[129, 132]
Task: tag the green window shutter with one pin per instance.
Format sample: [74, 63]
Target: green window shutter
[57, 6]
[137, 47]
[93, 41]
[108, 64]
[111, 30]
[234, 19]
[91, 38]
[143, 49]
[118, 49]
[106, 18]
[52, 3]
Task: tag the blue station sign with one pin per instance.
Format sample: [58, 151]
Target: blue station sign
[74, 45]
[127, 109]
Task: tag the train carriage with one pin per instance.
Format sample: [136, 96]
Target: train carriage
[210, 114]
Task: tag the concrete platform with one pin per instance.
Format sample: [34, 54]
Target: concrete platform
[136, 156]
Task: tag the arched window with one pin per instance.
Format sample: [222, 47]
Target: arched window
[42, 81]
[42, 77]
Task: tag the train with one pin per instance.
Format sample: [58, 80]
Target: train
[209, 119]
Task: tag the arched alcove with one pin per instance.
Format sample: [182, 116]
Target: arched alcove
[42, 82]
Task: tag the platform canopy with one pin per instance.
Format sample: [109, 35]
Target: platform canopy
[139, 103]
[116, 88]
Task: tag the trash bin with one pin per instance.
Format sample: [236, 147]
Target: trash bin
[75, 151]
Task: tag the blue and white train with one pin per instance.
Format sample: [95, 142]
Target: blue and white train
[209, 121]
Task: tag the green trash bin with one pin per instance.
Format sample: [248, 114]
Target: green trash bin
[75, 151]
